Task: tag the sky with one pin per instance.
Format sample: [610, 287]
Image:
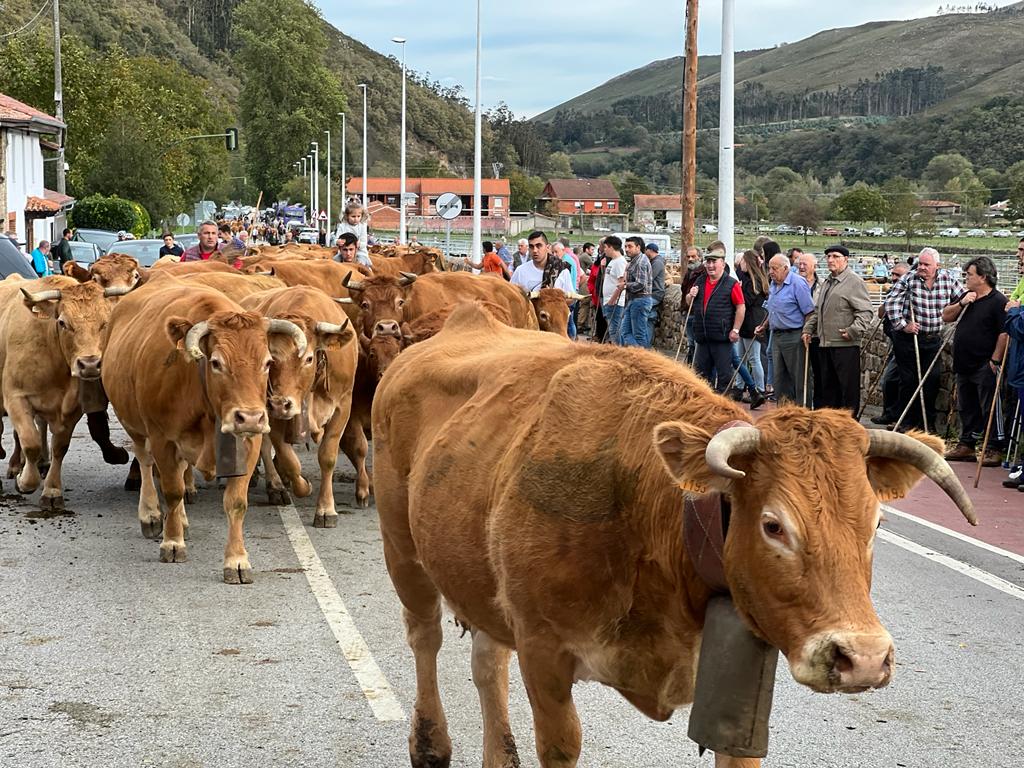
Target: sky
[538, 53]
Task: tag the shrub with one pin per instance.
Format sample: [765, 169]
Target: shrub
[110, 213]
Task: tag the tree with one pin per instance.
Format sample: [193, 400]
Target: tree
[942, 169]
[524, 191]
[288, 96]
[862, 203]
[559, 166]
[804, 213]
[903, 209]
[1016, 208]
[630, 186]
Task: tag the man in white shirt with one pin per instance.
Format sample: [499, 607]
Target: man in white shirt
[541, 270]
[613, 294]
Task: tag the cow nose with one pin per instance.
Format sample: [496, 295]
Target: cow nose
[88, 367]
[386, 328]
[281, 407]
[245, 421]
[862, 662]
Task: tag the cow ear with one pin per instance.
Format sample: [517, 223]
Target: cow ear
[72, 269]
[177, 328]
[893, 479]
[681, 447]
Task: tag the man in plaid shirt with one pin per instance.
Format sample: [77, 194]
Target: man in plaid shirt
[914, 307]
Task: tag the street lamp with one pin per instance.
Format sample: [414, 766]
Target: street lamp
[477, 152]
[309, 164]
[344, 175]
[401, 195]
[316, 182]
[328, 225]
[365, 201]
[726, 151]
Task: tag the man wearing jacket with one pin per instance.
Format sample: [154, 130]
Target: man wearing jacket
[841, 317]
[718, 313]
[657, 288]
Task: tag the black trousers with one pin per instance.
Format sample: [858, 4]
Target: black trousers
[974, 393]
[840, 378]
[906, 369]
[817, 383]
[714, 362]
[601, 325]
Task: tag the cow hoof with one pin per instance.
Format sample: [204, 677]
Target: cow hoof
[152, 529]
[279, 497]
[51, 503]
[115, 455]
[238, 575]
[23, 491]
[363, 502]
[325, 521]
[301, 487]
[173, 553]
[191, 495]
[13, 472]
[132, 483]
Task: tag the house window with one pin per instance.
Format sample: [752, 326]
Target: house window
[499, 203]
[599, 204]
[611, 205]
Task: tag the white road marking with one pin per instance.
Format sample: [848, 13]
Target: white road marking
[953, 564]
[954, 534]
[375, 686]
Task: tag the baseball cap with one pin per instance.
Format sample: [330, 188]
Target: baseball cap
[651, 247]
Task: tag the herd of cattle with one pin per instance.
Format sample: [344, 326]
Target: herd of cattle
[540, 487]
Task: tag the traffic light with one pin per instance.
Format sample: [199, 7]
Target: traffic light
[231, 139]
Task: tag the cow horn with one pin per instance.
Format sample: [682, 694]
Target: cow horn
[344, 300]
[895, 445]
[735, 440]
[534, 294]
[352, 285]
[276, 325]
[193, 337]
[117, 290]
[578, 296]
[408, 278]
[35, 298]
[329, 328]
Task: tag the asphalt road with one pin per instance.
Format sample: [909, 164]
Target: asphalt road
[110, 658]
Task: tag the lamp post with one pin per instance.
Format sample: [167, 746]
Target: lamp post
[309, 165]
[328, 224]
[726, 151]
[401, 195]
[344, 174]
[477, 182]
[316, 183]
[365, 201]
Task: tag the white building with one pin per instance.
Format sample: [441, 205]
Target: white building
[30, 210]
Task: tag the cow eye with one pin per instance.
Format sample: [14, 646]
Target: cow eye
[401, 302]
[774, 528]
[364, 305]
[216, 364]
[309, 359]
[266, 364]
[62, 323]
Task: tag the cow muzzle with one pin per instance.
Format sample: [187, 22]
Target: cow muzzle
[87, 367]
[387, 328]
[846, 662]
[282, 407]
[244, 421]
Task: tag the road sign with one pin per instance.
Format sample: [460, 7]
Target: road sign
[183, 220]
[449, 205]
[322, 216]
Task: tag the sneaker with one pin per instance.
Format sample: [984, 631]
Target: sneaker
[992, 459]
[961, 453]
[757, 399]
[1012, 482]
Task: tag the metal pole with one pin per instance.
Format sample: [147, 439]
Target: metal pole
[309, 160]
[328, 225]
[316, 182]
[726, 159]
[58, 95]
[991, 413]
[365, 200]
[477, 247]
[447, 237]
[344, 170]
[401, 172]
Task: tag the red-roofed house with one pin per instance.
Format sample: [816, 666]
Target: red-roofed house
[422, 208]
[658, 210]
[940, 207]
[573, 199]
[30, 210]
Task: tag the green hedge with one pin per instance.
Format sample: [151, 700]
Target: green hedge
[111, 213]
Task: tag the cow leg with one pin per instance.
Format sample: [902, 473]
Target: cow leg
[99, 431]
[288, 464]
[237, 569]
[44, 445]
[24, 423]
[355, 447]
[277, 494]
[149, 503]
[191, 494]
[490, 675]
[17, 457]
[172, 469]
[548, 674]
[724, 761]
[327, 456]
[52, 497]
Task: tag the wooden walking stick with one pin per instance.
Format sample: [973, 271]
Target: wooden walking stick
[872, 388]
[949, 415]
[920, 384]
[807, 363]
[991, 413]
[917, 358]
[736, 372]
[682, 334]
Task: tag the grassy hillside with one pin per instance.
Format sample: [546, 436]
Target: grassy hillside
[979, 54]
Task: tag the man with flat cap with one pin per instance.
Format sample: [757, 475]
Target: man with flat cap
[841, 318]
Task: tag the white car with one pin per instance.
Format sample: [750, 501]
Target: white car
[1002, 233]
[874, 232]
[708, 229]
[976, 233]
[950, 232]
[310, 236]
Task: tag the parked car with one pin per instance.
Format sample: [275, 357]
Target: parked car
[851, 232]
[874, 232]
[830, 232]
[803, 231]
[898, 233]
[977, 233]
[739, 231]
[101, 237]
[950, 232]
[84, 253]
[708, 229]
[13, 261]
[146, 252]
[786, 229]
[922, 233]
[310, 236]
[187, 241]
[1002, 233]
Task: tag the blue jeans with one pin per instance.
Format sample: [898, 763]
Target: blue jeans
[572, 319]
[613, 315]
[743, 372]
[634, 324]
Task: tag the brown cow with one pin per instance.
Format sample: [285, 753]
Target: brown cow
[51, 337]
[114, 270]
[552, 310]
[180, 268]
[323, 377]
[558, 535]
[422, 261]
[180, 358]
[235, 285]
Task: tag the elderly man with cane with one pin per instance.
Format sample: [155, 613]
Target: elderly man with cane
[979, 346]
[914, 307]
[789, 305]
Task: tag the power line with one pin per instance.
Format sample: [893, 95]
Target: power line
[32, 21]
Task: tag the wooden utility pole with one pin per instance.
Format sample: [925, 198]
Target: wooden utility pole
[689, 157]
[58, 95]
